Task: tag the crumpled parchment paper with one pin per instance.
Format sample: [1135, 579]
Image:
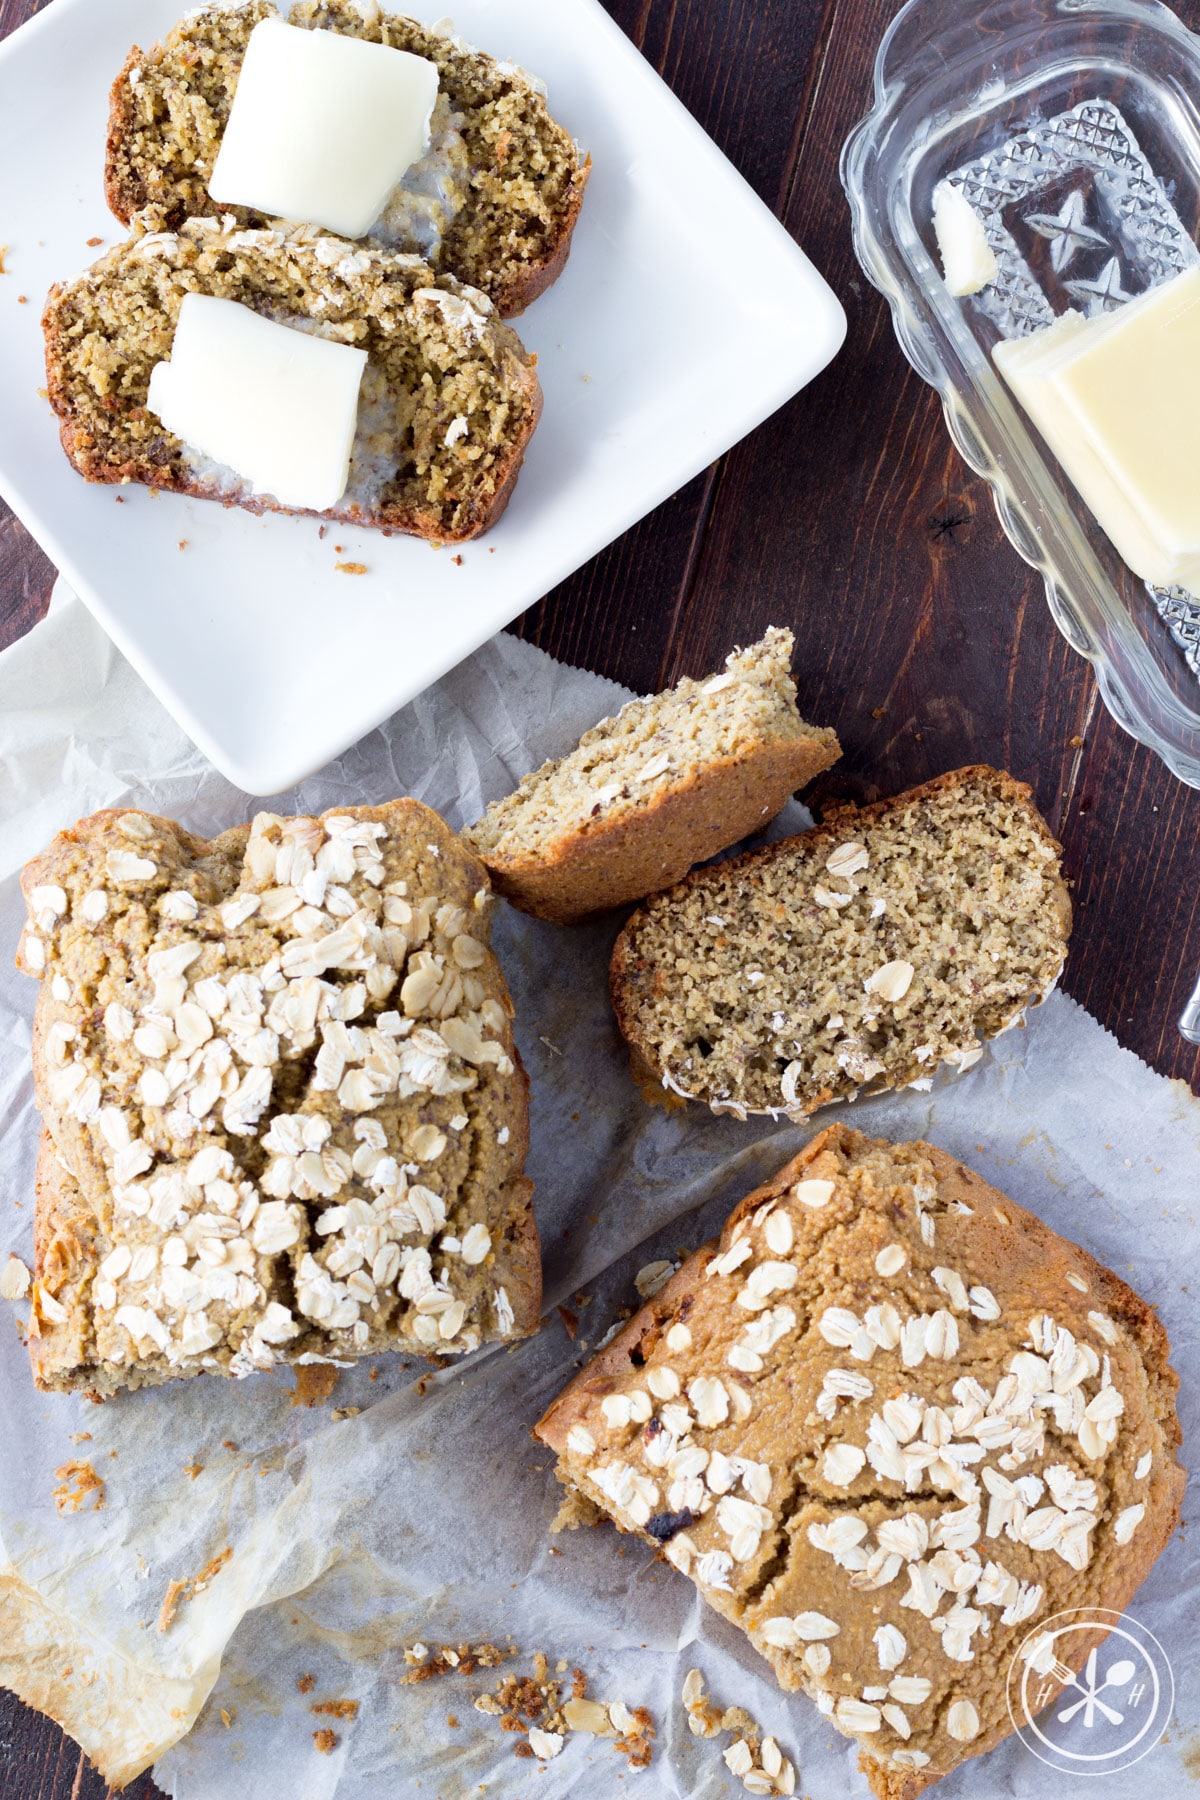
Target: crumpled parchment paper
[423, 1513]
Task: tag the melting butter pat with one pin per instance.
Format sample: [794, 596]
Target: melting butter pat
[277, 406]
[1117, 399]
[322, 127]
[968, 260]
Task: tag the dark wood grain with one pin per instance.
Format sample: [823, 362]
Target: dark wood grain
[922, 637]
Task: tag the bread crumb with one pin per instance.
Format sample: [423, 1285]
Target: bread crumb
[336, 1709]
[192, 1469]
[349, 568]
[226, 1718]
[228, 1444]
[753, 1752]
[452, 1721]
[464, 1659]
[94, 243]
[570, 1322]
[15, 1279]
[186, 1589]
[4, 249]
[307, 1683]
[533, 1706]
[457, 560]
[22, 299]
[314, 1383]
[183, 543]
[78, 1480]
[326, 1741]
[81, 1437]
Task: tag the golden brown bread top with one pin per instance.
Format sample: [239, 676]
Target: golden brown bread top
[284, 1114]
[887, 1424]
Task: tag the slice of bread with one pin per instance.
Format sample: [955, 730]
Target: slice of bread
[283, 1115]
[449, 398]
[862, 954]
[890, 1425]
[494, 202]
[666, 784]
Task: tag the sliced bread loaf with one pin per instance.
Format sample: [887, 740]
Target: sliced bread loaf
[890, 1425]
[449, 398]
[284, 1117]
[866, 952]
[493, 202]
[666, 784]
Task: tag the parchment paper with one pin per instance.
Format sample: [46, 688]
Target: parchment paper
[426, 1515]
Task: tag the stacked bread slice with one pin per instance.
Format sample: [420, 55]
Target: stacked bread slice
[477, 228]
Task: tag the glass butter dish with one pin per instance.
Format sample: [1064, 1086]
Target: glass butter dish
[1072, 127]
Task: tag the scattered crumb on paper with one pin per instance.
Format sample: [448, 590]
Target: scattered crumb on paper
[314, 1383]
[753, 1756]
[14, 1279]
[191, 1585]
[78, 1479]
[533, 1707]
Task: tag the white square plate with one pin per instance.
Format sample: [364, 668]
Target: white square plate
[686, 315]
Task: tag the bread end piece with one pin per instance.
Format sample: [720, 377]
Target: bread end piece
[162, 888]
[879, 1194]
[668, 783]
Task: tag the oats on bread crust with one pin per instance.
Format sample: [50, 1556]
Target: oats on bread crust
[886, 1425]
[283, 1114]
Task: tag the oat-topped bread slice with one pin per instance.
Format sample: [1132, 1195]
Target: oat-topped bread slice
[890, 939]
[887, 1424]
[284, 1117]
[666, 784]
[493, 201]
[448, 402]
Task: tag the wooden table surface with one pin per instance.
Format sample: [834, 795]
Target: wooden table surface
[848, 516]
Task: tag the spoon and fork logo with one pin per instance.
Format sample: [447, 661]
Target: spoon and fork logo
[1098, 1717]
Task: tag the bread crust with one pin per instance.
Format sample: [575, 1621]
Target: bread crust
[73, 1186]
[838, 820]
[120, 194]
[999, 1230]
[613, 861]
[520, 293]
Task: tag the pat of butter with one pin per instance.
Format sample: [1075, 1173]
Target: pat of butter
[968, 260]
[322, 127]
[277, 406]
[1117, 398]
